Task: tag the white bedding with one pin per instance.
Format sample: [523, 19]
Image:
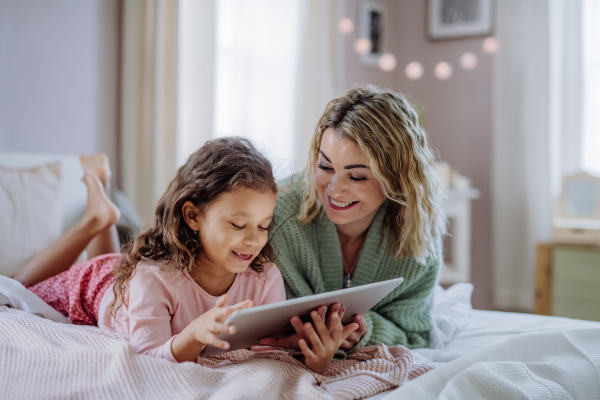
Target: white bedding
[485, 354]
[501, 355]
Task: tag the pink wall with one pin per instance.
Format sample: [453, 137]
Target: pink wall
[458, 111]
[59, 75]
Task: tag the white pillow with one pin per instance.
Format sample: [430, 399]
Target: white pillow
[30, 213]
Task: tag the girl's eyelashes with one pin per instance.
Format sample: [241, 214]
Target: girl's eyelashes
[357, 179]
[242, 227]
[323, 167]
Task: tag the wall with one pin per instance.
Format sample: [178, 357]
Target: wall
[59, 76]
[458, 112]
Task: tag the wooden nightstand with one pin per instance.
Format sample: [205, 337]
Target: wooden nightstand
[568, 281]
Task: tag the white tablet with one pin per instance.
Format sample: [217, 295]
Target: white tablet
[255, 323]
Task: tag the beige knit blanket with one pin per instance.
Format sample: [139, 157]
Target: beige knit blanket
[41, 359]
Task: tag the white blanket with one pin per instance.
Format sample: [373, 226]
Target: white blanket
[42, 359]
[559, 364]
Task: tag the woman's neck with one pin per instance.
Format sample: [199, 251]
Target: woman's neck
[352, 238]
[214, 280]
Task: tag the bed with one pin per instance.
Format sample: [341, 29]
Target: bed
[474, 354]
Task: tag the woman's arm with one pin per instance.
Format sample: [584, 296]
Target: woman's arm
[405, 318]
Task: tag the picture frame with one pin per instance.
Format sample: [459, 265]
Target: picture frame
[453, 19]
[577, 214]
[372, 25]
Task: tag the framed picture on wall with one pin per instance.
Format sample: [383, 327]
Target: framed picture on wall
[451, 19]
[371, 34]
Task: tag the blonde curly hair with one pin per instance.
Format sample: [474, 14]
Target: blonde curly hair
[385, 127]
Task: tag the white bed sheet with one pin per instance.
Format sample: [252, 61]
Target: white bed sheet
[487, 327]
[501, 355]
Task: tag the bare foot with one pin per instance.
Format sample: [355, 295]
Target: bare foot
[100, 212]
[98, 165]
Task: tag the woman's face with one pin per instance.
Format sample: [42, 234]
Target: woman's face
[350, 194]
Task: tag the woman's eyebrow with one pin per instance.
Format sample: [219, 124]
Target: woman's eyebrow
[323, 154]
[351, 166]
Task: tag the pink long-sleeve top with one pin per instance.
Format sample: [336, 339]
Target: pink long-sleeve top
[160, 305]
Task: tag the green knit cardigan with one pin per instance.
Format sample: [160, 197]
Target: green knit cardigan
[310, 260]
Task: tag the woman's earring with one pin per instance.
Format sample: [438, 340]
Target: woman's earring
[195, 232]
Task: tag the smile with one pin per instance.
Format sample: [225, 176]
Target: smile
[339, 205]
[244, 258]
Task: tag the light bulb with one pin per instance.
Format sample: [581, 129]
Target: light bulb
[468, 61]
[491, 45]
[362, 46]
[443, 71]
[413, 71]
[387, 62]
[346, 26]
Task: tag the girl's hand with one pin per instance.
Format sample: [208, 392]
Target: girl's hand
[204, 330]
[355, 336]
[323, 343]
[210, 324]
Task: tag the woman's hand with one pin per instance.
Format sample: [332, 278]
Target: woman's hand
[204, 330]
[323, 343]
[291, 341]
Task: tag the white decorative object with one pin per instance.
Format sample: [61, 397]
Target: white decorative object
[371, 29]
[443, 171]
[458, 212]
[577, 216]
[449, 19]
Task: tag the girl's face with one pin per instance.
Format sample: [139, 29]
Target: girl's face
[350, 194]
[233, 230]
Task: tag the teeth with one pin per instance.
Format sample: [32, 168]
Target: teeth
[339, 204]
[245, 256]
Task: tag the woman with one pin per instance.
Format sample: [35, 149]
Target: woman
[365, 209]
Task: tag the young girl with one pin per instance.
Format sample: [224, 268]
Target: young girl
[204, 256]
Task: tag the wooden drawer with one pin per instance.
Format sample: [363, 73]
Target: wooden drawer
[575, 284]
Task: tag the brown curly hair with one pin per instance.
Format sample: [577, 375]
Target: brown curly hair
[220, 166]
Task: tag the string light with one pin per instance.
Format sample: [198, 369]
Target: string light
[490, 45]
[387, 62]
[468, 61]
[362, 46]
[346, 26]
[413, 71]
[443, 71]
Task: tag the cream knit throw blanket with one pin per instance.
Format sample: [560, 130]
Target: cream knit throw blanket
[42, 359]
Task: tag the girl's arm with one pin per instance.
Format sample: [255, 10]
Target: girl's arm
[152, 304]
